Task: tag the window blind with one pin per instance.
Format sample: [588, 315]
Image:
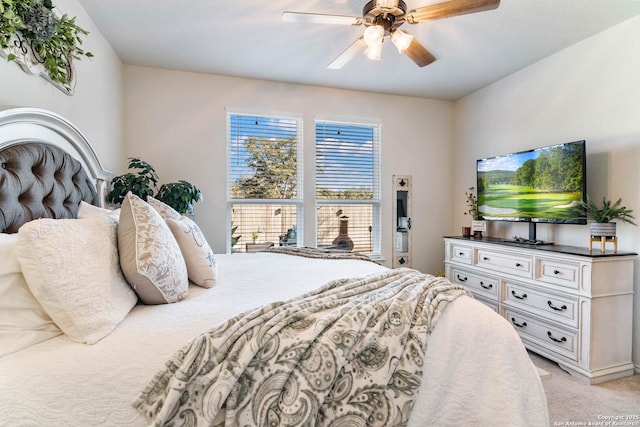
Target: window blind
[348, 186]
[346, 161]
[263, 157]
[264, 180]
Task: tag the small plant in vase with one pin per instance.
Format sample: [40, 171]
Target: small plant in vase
[604, 215]
[472, 203]
[477, 225]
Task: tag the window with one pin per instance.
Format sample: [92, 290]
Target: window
[264, 188]
[348, 186]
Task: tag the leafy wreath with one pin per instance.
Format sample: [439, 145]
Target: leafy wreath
[55, 41]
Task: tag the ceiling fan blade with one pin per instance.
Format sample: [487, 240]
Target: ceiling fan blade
[419, 54]
[320, 18]
[450, 8]
[348, 54]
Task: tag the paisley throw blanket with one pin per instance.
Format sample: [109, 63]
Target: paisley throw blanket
[318, 253]
[348, 354]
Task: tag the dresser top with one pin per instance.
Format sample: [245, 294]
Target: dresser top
[564, 249]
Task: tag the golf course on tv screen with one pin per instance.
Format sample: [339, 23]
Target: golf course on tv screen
[541, 185]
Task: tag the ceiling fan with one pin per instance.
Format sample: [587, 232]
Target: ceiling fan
[383, 18]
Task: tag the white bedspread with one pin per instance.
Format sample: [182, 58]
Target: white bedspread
[482, 374]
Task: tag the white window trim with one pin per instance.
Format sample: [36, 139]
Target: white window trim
[298, 201]
[376, 201]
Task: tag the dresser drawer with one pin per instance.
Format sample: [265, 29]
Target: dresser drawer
[492, 304]
[518, 265]
[478, 283]
[558, 273]
[553, 338]
[461, 253]
[560, 309]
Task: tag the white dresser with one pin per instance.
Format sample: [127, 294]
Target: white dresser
[568, 304]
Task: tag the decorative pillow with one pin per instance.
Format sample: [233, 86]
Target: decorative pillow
[23, 322]
[86, 210]
[164, 209]
[201, 263]
[149, 254]
[72, 268]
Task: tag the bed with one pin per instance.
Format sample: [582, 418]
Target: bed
[475, 370]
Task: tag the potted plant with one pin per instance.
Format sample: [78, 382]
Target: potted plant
[142, 180]
[604, 215]
[180, 196]
[477, 225]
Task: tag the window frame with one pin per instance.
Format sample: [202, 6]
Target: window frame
[376, 200]
[298, 201]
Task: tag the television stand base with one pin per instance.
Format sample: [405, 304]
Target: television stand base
[525, 241]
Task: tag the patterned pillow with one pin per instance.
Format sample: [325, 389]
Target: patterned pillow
[149, 254]
[201, 263]
[23, 321]
[164, 209]
[71, 267]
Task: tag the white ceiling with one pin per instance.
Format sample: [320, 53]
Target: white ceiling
[247, 38]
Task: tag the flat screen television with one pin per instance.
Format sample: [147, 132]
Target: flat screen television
[545, 185]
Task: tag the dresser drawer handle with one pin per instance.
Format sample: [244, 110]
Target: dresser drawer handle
[519, 325]
[552, 338]
[484, 258]
[556, 272]
[460, 253]
[518, 264]
[489, 286]
[462, 279]
[563, 308]
[523, 296]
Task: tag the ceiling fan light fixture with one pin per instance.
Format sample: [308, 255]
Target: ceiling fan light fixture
[373, 35]
[374, 52]
[402, 40]
[387, 4]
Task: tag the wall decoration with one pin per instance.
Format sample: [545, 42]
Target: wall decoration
[41, 40]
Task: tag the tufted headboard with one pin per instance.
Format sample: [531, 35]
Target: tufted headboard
[46, 168]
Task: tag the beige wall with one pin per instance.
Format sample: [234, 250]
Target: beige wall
[589, 91]
[176, 121]
[96, 106]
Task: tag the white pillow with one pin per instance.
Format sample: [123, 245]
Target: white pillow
[201, 263]
[23, 322]
[72, 268]
[86, 210]
[149, 254]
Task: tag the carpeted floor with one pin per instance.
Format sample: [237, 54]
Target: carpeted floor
[572, 403]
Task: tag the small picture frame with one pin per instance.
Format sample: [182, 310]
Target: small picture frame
[478, 226]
